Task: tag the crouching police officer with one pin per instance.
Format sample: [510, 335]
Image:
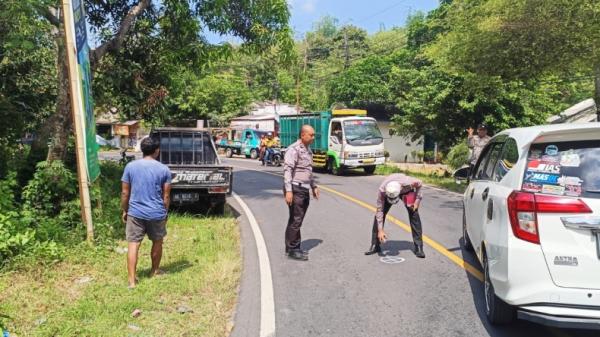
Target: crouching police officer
[394, 188]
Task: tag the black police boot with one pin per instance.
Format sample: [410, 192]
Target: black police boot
[373, 250]
[419, 251]
[297, 255]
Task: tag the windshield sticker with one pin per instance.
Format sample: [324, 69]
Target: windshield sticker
[565, 180]
[535, 154]
[544, 178]
[570, 160]
[531, 187]
[573, 190]
[541, 166]
[553, 189]
[551, 159]
[551, 150]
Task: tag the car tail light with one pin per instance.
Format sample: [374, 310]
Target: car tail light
[218, 190]
[523, 208]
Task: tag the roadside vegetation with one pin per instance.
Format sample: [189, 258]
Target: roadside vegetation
[86, 293]
[444, 181]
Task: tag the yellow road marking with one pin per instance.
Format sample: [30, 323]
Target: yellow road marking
[429, 241]
[432, 243]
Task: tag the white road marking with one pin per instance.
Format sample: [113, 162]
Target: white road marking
[267, 300]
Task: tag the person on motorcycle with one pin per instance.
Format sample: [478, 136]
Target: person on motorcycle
[262, 149]
[269, 144]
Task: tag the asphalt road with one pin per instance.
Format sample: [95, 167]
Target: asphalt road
[340, 291]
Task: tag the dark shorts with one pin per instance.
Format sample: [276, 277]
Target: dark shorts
[136, 229]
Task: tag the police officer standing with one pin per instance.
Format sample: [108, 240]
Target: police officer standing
[394, 188]
[298, 183]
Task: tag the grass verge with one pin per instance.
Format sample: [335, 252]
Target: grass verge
[86, 294]
[447, 183]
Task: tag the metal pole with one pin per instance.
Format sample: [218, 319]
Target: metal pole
[76, 111]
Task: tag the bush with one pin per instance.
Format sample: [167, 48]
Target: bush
[51, 186]
[458, 156]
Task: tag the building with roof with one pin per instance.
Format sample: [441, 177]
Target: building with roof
[582, 112]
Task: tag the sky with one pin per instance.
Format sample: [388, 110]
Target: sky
[371, 15]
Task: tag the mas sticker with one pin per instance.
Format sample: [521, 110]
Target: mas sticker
[531, 187]
[551, 150]
[541, 166]
[570, 160]
[543, 178]
[553, 189]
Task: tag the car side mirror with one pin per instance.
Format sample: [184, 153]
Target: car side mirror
[462, 174]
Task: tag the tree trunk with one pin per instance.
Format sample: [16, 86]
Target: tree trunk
[53, 135]
[597, 90]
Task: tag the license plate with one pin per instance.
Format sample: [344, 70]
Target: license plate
[368, 161]
[185, 197]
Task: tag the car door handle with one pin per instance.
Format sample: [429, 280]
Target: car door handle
[472, 192]
[485, 193]
[490, 209]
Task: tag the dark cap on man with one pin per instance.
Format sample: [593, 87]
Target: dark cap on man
[482, 126]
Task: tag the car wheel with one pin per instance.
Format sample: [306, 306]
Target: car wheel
[253, 154]
[229, 153]
[496, 310]
[466, 240]
[370, 169]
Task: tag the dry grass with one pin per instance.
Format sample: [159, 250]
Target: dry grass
[203, 264]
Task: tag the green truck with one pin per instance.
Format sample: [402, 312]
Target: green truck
[344, 138]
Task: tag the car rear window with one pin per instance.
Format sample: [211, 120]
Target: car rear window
[564, 168]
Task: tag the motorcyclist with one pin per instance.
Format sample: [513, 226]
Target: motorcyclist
[270, 143]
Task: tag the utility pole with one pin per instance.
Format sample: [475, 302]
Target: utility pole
[78, 122]
[347, 54]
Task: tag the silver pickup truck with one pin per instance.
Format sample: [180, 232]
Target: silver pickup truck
[198, 177]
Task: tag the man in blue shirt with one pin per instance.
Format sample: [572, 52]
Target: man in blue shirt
[145, 198]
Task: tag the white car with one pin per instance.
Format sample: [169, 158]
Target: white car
[532, 217]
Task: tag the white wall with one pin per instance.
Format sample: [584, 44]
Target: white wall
[398, 146]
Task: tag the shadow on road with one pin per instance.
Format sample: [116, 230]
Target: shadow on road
[394, 247]
[309, 244]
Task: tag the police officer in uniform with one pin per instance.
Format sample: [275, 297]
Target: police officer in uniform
[394, 188]
[298, 184]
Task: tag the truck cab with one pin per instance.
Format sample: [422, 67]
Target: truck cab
[198, 177]
[242, 142]
[354, 142]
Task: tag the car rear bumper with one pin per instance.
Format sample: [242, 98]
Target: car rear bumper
[565, 322]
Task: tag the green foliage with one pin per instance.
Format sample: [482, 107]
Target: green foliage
[52, 185]
[458, 156]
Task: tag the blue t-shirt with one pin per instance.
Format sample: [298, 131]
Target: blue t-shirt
[146, 179]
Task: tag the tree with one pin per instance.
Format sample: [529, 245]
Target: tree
[173, 28]
[522, 39]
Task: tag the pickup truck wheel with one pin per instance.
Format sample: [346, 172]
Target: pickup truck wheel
[218, 208]
[229, 153]
[370, 169]
[253, 154]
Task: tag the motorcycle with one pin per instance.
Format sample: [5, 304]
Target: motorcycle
[125, 159]
[275, 157]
